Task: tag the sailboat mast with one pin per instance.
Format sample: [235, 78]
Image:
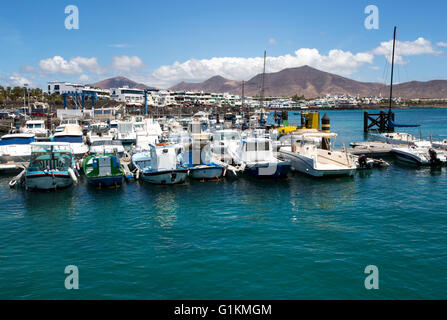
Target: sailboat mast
[263, 82]
[392, 69]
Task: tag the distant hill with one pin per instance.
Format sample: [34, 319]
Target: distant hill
[118, 82]
[214, 84]
[311, 83]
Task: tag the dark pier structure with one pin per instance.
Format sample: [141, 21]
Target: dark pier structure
[381, 122]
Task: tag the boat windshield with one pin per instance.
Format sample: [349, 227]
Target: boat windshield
[34, 125]
[69, 139]
[106, 143]
[257, 146]
[41, 161]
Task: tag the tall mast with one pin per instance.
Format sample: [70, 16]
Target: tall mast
[392, 69]
[263, 82]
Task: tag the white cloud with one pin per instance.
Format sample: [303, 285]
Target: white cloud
[442, 44]
[126, 63]
[17, 80]
[83, 77]
[77, 65]
[337, 61]
[405, 48]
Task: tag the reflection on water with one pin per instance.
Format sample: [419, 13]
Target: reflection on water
[296, 237]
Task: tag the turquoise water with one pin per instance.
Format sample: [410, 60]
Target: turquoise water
[236, 239]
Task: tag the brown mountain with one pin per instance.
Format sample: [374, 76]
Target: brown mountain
[214, 84]
[118, 82]
[312, 83]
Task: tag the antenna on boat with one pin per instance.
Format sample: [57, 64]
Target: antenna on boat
[392, 70]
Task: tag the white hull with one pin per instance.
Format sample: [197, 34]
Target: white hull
[307, 166]
[15, 153]
[79, 150]
[409, 157]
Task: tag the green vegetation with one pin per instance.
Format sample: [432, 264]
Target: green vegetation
[296, 98]
[16, 94]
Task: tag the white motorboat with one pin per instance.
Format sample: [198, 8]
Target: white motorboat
[16, 147]
[72, 134]
[98, 131]
[395, 137]
[36, 127]
[420, 153]
[147, 132]
[440, 144]
[107, 146]
[319, 160]
[125, 132]
[256, 156]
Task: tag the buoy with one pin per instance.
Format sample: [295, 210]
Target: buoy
[326, 123]
[73, 175]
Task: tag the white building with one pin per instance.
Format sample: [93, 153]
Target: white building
[70, 88]
[130, 96]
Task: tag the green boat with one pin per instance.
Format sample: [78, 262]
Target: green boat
[103, 170]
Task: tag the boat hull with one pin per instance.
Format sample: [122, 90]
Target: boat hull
[106, 181]
[409, 158]
[276, 170]
[48, 181]
[306, 166]
[166, 177]
[206, 173]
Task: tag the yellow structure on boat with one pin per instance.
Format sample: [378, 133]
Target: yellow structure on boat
[309, 120]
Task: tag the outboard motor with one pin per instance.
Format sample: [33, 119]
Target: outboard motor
[362, 161]
[434, 161]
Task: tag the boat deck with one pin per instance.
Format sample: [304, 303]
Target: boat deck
[377, 149]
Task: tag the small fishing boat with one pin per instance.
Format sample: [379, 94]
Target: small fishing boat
[200, 166]
[51, 166]
[420, 153]
[16, 147]
[103, 170]
[161, 165]
[255, 156]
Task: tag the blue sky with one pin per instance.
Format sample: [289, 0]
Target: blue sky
[164, 42]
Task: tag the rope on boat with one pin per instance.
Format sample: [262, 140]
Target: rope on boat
[18, 178]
